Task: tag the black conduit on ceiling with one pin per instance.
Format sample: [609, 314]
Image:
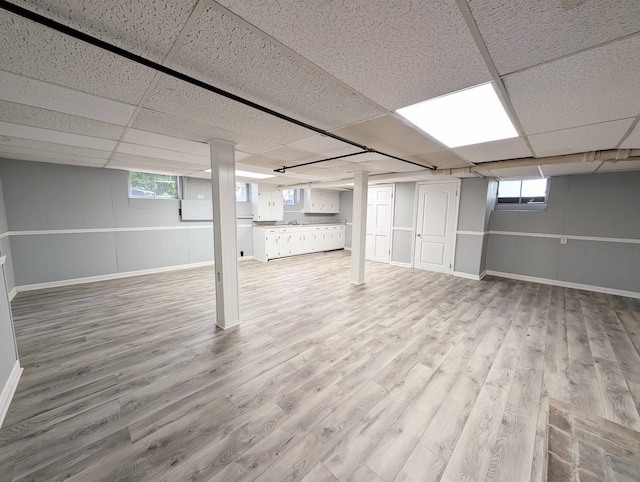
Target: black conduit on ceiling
[22, 12]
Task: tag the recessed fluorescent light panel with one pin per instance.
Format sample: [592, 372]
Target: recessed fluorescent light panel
[252, 175]
[470, 116]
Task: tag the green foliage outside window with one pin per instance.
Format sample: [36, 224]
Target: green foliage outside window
[147, 185]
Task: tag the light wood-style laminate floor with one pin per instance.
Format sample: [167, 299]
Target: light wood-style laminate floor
[412, 376]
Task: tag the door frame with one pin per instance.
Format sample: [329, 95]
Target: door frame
[458, 183]
[393, 215]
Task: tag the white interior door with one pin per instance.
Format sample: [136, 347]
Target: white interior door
[379, 216]
[435, 229]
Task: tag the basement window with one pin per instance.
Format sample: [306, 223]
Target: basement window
[152, 186]
[528, 194]
[242, 192]
[291, 196]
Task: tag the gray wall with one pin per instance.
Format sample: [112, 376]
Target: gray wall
[5, 244]
[603, 205]
[477, 198]
[8, 355]
[45, 197]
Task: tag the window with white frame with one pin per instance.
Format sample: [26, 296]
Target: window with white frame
[242, 192]
[291, 196]
[152, 186]
[527, 192]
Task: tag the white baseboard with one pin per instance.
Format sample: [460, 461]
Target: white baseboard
[112, 276]
[402, 265]
[474, 277]
[8, 390]
[12, 293]
[565, 284]
[229, 326]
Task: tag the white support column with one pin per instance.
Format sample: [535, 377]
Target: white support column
[359, 226]
[225, 236]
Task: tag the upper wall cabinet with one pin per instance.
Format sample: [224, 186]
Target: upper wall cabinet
[266, 203]
[317, 201]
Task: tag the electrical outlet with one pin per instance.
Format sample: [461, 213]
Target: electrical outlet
[200, 196]
[563, 240]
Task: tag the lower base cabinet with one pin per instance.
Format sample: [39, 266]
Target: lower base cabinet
[270, 242]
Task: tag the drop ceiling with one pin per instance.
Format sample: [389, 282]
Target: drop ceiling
[568, 72]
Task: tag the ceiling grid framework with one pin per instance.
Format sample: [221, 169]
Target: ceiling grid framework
[567, 71]
[152, 85]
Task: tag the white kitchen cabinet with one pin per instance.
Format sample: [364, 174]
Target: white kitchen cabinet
[297, 242]
[266, 203]
[312, 242]
[341, 238]
[334, 241]
[271, 246]
[326, 239]
[320, 201]
[271, 242]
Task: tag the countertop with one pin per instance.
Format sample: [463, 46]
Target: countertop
[299, 225]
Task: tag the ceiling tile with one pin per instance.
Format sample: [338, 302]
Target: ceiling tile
[170, 125]
[396, 54]
[239, 155]
[51, 147]
[495, 151]
[200, 175]
[338, 163]
[262, 161]
[35, 93]
[580, 139]
[389, 134]
[54, 158]
[241, 166]
[369, 166]
[524, 172]
[148, 28]
[152, 164]
[551, 170]
[327, 174]
[151, 139]
[620, 166]
[633, 141]
[292, 155]
[156, 153]
[252, 66]
[41, 53]
[599, 85]
[390, 165]
[441, 160]
[174, 97]
[57, 121]
[522, 33]
[46, 135]
[324, 145]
